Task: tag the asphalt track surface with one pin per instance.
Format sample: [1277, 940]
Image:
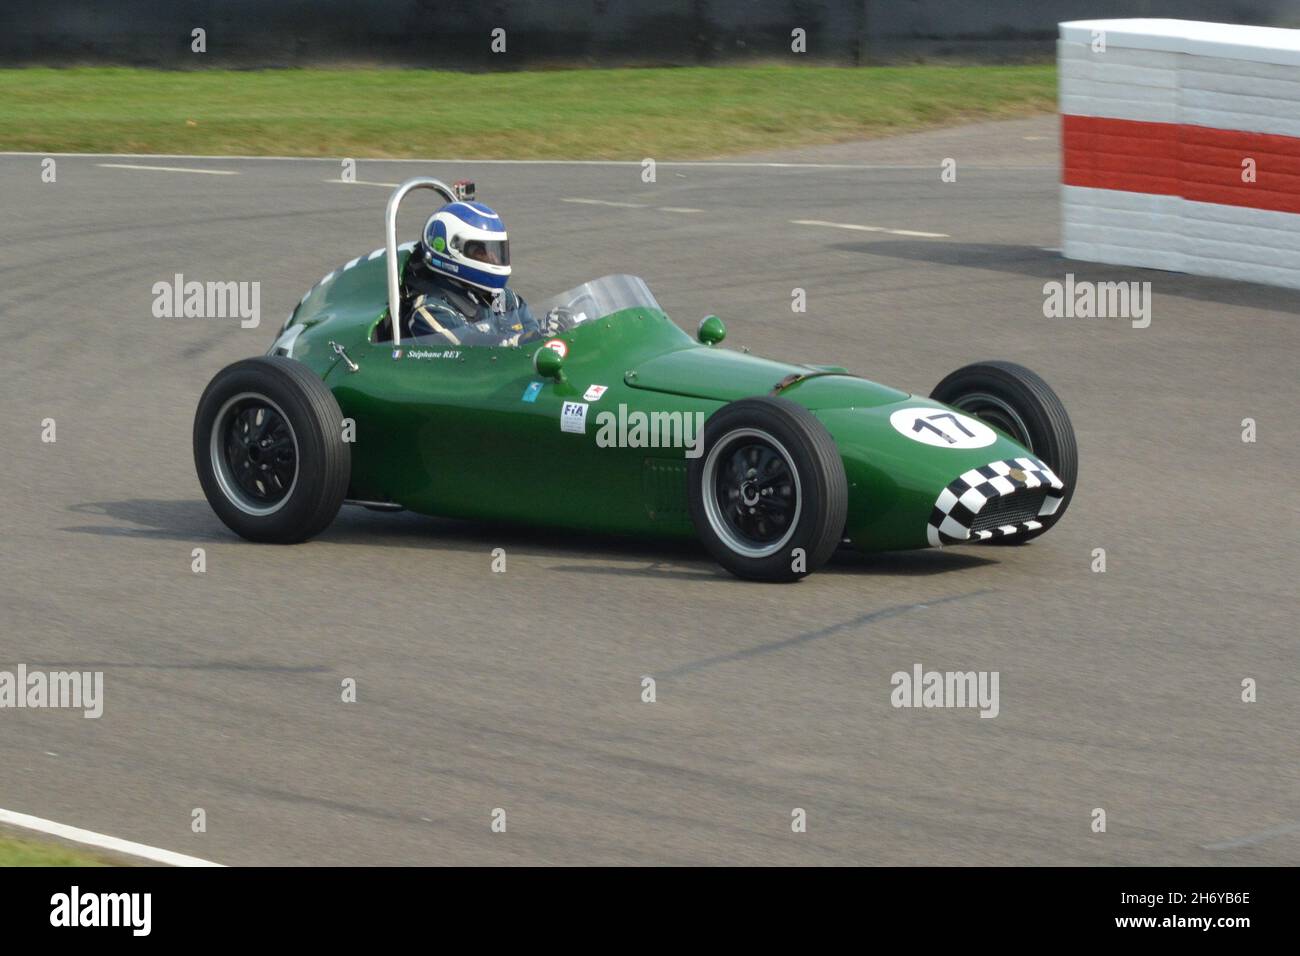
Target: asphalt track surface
[1119, 690]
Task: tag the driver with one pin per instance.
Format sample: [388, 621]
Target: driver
[455, 281]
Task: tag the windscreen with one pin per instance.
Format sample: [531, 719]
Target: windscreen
[601, 297]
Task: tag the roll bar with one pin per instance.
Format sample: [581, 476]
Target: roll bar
[390, 242]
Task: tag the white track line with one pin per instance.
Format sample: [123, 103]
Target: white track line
[838, 225]
[91, 838]
[574, 199]
[631, 205]
[361, 182]
[736, 164]
[856, 227]
[606, 202]
[171, 169]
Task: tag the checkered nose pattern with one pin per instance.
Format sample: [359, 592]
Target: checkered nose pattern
[998, 499]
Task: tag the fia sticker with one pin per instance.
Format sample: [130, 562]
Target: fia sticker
[557, 346]
[573, 418]
[397, 353]
[593, 393]
[532, 391]
[942, 428]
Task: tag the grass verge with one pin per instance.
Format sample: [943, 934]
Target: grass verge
[22, 852]
[557, 114]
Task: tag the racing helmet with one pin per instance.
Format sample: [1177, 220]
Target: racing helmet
[466, 241]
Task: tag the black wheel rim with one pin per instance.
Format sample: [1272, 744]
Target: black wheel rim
[999, 413]
[254, 454]
[753, 493]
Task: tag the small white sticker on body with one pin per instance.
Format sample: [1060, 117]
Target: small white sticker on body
[573, 417]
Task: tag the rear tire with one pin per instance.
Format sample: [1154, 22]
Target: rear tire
[768, 494]
[1022, 406]
[269, 450]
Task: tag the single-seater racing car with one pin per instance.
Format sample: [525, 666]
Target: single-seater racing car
[621, 423]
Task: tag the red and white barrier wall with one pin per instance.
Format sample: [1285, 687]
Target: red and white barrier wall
[1159, 120]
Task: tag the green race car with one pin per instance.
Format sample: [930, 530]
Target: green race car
[619, 422]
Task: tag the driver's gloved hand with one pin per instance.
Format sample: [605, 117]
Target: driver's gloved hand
[554, 321]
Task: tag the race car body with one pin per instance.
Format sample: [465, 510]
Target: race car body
[622, 423]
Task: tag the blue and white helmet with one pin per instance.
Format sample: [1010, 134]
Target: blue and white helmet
[467, 241]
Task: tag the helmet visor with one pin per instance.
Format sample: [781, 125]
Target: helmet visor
[493, 252]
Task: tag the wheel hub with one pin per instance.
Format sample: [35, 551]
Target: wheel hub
[752, 492]
[254, 454]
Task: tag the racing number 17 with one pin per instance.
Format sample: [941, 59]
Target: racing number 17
[929, 423]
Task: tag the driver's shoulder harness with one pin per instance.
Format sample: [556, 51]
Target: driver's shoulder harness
[463, 320]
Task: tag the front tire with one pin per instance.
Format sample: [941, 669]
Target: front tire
[269, 450]
[768, 494]
[1022, 406]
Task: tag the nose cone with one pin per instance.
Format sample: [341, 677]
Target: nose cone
[909, 488]
[1000, 499]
